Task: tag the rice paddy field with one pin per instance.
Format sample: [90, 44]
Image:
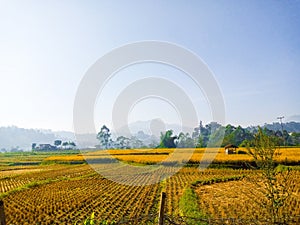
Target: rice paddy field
[53, 188]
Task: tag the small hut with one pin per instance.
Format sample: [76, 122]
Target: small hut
[230, 149]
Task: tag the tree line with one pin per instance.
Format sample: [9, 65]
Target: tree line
[212, 134]
[106, 142]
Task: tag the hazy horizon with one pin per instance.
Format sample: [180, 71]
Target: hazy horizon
[149, 121]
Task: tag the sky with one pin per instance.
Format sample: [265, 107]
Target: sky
[47, 47]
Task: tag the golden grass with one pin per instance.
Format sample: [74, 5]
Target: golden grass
[244, 199]
[193, 155]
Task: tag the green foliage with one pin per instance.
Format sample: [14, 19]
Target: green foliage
[167, 140]
[57, 142]
[200, 142]
[216, 138]
[90, 221]
[189, 207]
[122, 142]
[275, 179]
[185, 141]
[263, 150]
[214, 134]
[104, 137]
[236, 135]
[71, 143]
[208, 134]
[239, 136]
[33, 145]
[282, 168]
[294, 139]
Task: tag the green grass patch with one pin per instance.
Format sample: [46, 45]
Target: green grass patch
[189, 208]
[284, 168]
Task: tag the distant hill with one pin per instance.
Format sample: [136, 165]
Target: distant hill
[12, 137]
[20, 138]
[156, 126]
[289, 126]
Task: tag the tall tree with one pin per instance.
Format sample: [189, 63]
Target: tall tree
[275, 181]
[57, 142]
[185, 141]
[72, 144]
[104, 137]
[122, 142]
[65, 144]
[33, 146]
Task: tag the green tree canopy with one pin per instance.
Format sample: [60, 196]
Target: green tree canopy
[104, 137]
[57, 142]
[167, 140]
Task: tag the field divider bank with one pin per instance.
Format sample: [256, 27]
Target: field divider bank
[217, 180]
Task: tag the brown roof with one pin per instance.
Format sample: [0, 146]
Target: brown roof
[231, 146]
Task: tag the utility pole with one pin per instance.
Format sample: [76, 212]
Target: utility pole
[280, 119]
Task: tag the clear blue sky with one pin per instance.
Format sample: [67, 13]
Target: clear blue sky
[46, 47]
